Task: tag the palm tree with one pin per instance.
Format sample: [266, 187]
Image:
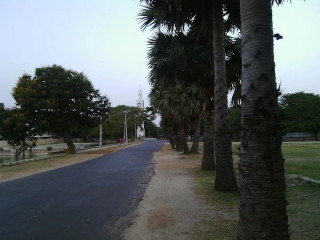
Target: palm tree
[175, 104]
[225, 178]
[262, 212]
[203, 62]
[175, 15]
[169, 61]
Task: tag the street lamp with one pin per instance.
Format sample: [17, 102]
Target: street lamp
[125, 129]
[126, 125]
[135, 130]
[100, 140]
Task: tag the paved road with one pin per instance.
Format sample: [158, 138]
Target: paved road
[90, 200]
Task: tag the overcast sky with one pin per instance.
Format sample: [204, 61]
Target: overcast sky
[103, 39]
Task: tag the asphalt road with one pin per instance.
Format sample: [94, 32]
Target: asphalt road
[92, 200]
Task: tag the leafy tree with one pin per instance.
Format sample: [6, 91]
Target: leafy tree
[301, 113]
[114, 126]
[60, 100]
[152, 130]
[17, 130]
[262, 211]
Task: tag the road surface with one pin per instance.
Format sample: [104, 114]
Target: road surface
[91, 200]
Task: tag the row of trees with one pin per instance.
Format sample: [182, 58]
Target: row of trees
[188, 58]
[299, 113]
[113, 126]
[64, 102]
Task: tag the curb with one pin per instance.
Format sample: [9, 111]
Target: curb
[298, 177]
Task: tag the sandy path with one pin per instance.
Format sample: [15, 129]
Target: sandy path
[169, 208]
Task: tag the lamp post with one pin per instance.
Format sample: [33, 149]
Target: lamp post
[126, 128]
[135, 131]
[100, 139]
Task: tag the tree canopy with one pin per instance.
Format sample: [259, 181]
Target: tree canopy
[60, 100]
[17, 129]
[300, 112]
[113, 126]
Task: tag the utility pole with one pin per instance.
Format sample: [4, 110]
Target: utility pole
[135, 131]
[100, 140]
[126, 124]
[124, 130]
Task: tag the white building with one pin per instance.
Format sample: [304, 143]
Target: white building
[140, 104]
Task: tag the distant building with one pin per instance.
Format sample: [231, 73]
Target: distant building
[140, 104]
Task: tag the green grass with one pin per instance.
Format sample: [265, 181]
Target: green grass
[303, 209]
[302, 159]
[16, 167]
[204, 186]
[224, 226]
[222, 229]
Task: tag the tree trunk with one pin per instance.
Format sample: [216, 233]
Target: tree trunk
[208, 161]
[71, 147]
[182, 144]
[195, 143]
[262, 211]
[315, 136]
[179, 143]
[185, 147]
[225, 178]
[172, 141]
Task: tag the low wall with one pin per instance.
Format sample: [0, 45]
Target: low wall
[41, 141]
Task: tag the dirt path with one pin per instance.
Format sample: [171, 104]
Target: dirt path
[169, 208]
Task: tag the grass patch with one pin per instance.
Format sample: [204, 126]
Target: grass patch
[302, 159]
[221, 228]
[303, 209]
[204, 187]
[225, 205]
[42, 163]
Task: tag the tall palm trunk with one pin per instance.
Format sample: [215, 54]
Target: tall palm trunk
[172, 140]
[195, 143]
[225, 178]
[262, 212]
[208, 161]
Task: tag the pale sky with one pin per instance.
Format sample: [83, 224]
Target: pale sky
[102, 39]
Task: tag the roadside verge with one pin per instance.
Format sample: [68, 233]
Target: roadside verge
[169, 208]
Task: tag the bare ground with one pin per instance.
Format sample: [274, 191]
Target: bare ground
[169, 209]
